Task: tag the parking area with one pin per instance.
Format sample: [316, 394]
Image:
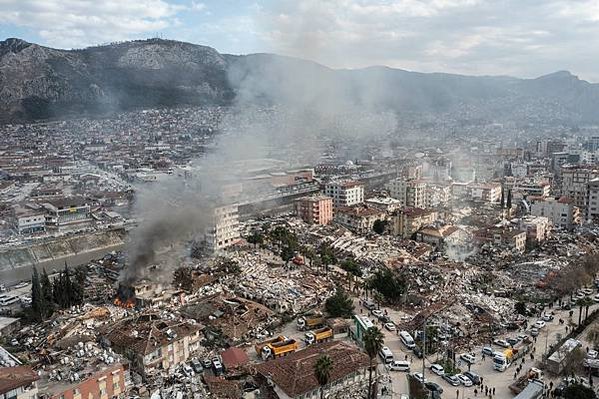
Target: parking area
[550, 331]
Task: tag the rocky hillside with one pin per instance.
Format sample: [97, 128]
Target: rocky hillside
[37, 82]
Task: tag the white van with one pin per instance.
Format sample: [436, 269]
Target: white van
[9, 300]
[407, 339]
[399, 365]
[386, 355]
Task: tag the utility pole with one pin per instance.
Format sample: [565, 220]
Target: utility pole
[423, 346]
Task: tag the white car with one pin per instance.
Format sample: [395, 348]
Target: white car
[419, 377]
[540, 324]
[390, 326]
[534, 331]
[377, 312]
[437, 369]
[587, 291]
[592, 354]
[596, 298]
[468, 358]
[465, 381]
[501, 342]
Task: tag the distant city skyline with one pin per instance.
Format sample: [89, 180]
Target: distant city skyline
[522, 38]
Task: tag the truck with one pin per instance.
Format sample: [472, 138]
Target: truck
[310, 322]
[320, 335]
[278, 349]
[501, 361]
[533, 374]
[262, 344]
[534, 390]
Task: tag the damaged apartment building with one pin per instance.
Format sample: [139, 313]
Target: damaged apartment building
[151, 343]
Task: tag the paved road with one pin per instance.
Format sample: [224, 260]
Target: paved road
[494, 379]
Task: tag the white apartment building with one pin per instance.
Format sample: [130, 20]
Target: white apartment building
[562, 212]
[224, 228]
[27, 221]
[592, 200]
[532, 188]
[345, 194]
[410, 192]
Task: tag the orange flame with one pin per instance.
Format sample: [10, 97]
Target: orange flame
[128, 304]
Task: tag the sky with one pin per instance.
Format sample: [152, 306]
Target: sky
[523, 38]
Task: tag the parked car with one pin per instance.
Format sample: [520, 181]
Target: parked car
[452, 380]
[437, 369]
[390, 326]
[468, 358]
[596, 298]
[368, 304]
[206, 363]
[217, 366]
[419, 377]
[548, 317]
[512, 341]
[187, 370]
[522, 337]
[534, 331]
[398, 365]
[465, 381]
[433, 387]
[377, 313]
[501, 342]
[196, 366]
[540, 324]
[475, 378]
[487, 351]
[592, 354]
[417, 352]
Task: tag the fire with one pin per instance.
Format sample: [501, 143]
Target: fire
[128, 304]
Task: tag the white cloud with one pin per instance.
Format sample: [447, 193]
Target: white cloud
[78, 23]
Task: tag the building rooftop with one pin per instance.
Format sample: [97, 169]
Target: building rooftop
[143, 334]
[294, 374]
[15, 377]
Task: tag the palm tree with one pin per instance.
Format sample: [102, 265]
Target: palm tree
[322, 370]
[586, 302]
[580, 304]
[373, 342]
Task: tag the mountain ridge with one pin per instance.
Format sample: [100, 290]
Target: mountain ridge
[38, 82]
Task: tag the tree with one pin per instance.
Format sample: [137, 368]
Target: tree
[256, 238]
[322, 371]
[183, 278]
[509, 200]
[38, 302]
[373, 342]
[578, 391]
[520, 308]
[309, 254]
[593, 335]
[47, 291]
[287, 253]
[587, 302]
[379, 226]
[340, 304]
[391, 285]
[327, 256]
[351, 266]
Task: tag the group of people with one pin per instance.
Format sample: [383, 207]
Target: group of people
[490, 392]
